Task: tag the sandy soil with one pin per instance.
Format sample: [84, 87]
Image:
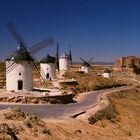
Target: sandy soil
[125, 125]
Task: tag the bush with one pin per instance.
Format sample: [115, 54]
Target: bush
[106, 113]
[63, 99]
[136, 69]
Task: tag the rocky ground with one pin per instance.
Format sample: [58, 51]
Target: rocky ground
[15, 124]
[38, 96]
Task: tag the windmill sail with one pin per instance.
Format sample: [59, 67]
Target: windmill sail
[84, 62]
[22, 52]
[41, 45]
[57, 57]
[11, 27]
[70, 56]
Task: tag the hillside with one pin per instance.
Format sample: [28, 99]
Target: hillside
[124, 126]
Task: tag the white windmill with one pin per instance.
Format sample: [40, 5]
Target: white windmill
[48, 68]
[19, 71]
[19, 65]
[107, 73]
[64, 62]
[85, 67]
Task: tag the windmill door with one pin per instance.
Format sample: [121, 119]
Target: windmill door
[20, 85]
[47, 75]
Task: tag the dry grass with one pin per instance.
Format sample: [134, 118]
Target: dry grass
[15, 124]
[89, 82]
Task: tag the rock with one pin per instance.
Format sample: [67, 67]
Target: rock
[46, 131]
[15, 114]
[78, 131]
[5, 130]
[18, 100]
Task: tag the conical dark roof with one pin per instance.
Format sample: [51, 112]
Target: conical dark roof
[20, 55]
[48, 59]
[86, 64]
[107, 70]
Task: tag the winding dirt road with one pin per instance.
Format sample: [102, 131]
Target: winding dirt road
[59, 111]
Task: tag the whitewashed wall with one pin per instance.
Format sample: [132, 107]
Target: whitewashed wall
[47, 68]
[85, 69]
[63, 64]
[18, 71]
[106, 75]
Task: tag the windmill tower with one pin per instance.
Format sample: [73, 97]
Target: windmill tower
[63, 63]
[47, 67]
[19, 65]
[57, 57]
[70, 55]
[107, 73]
[19, 71]
[85, 67]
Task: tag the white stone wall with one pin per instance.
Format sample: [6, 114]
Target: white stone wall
[63, 64]
[47, 68]
[106, 75]
[16, 71]
[85, 69]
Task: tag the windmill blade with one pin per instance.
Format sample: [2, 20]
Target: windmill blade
[57, 51]
[90, 60]
[84, 61]
[42, 72]
[12, 29]
[70, 56]
[57, 57]
[7, 67]
[33, 65]
[35, 58]
[41, 45]
[11, 67]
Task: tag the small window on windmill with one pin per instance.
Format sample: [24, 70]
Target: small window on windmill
[19, 73]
